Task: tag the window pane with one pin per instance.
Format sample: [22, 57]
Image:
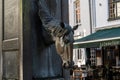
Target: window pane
[110, 1]
[118, 9]
[114, 9]
[77, 11]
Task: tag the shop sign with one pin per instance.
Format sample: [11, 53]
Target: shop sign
[109, 43]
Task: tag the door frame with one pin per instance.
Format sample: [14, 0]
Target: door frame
[20, 32]
[1, 24]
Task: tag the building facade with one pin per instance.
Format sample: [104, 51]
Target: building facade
[79, 14]
[104, 41]
[108, 17]
[107, 13]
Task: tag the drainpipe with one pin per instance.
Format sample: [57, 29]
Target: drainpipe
[88, 49]
[90, 16]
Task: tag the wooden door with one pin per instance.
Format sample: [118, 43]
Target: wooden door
[11, 40]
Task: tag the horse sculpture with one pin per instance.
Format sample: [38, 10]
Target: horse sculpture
[51, 37]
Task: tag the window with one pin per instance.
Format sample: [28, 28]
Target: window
[79, 53]
[114, 9]
[93, 56]
[77, 11]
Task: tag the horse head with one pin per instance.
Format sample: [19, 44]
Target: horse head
[64, 44]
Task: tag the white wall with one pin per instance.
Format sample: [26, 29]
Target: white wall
[85, 17]
[71, 13]
[84, 14]
[84, 28]
[75, 57]
[102, 14]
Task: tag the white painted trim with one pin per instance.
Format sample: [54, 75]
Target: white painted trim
[91, 41]
[107, 27]
[13, 39]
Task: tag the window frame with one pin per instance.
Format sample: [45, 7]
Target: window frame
[113, 15]
[77, 8]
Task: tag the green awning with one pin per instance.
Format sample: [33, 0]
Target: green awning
[106, 37]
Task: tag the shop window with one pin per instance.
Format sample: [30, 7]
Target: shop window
[110, 55]
[114, 9]
[77, 12]
[93, 56]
